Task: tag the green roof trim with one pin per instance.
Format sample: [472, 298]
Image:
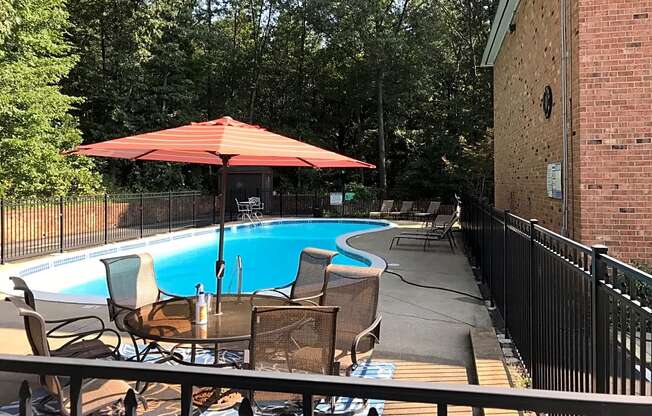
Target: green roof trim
[499, 29]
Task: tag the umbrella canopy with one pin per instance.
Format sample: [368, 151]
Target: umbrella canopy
[208, 142]
[225, 142]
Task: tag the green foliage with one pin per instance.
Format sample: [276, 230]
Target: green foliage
[308, 69]
[35, 119]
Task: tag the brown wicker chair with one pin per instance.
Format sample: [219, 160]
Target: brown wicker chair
[308, 286]
[96, 394]
[132, 283]
[85, 344]
[355, 291]
[290, 339]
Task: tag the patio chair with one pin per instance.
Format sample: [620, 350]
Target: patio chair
[289, 339]
[85, 344]
[385, 209]
[435, 234]
[429, 214]
[244, 210]
[404, 211]
[96, 394]
[132, 283]
[257, 207]
[355, 291]
[308, 286]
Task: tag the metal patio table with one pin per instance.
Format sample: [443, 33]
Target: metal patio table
[172, 321]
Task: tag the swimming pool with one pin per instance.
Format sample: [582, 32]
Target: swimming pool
[269, 251]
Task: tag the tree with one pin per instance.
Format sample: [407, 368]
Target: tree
[35, 116]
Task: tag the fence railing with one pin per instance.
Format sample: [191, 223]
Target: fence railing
[34, 227]
[580, 319]
[309, 386]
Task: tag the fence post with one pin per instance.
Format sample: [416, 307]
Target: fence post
[490, 257]
[2, 231]
[214, 209]
[61, 228]
[296, 204]
[194, 224]
[598, 358]
[169, 211]
[281, 203]
[106, 218]
[533, 307]
[25, 399]
[506, 258]
[142, 216]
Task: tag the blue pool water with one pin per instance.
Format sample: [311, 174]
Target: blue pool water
[270, 256]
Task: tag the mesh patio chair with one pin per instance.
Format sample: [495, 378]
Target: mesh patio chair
[385, 209]
[96, 394]
[289, 339]
[355, 291]
[308, 286]
[404, 211]
[84, 344]
[429, 214]
[132, 283]
[435, 234]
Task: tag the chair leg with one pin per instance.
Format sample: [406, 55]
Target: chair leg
[450, 241]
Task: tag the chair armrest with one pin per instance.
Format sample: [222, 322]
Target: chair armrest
[307, 299]
[96, 335]
[169, 295]
[63, 322]
[372, 331]
[275, 290]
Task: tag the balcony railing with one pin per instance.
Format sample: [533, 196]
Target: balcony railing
[580, 319]
[309, 386]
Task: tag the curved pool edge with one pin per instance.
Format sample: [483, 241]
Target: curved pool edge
[59, 259]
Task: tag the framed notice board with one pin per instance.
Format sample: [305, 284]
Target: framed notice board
[554, 181]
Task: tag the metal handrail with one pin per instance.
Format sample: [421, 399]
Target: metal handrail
[317, 385]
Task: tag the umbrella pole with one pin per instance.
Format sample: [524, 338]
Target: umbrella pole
[219, 265]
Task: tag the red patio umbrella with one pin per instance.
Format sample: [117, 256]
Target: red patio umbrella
[225, 142]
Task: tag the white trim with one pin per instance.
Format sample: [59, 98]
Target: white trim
[504, 16]
[126, 247]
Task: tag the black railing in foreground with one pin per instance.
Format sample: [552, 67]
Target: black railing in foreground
[580, 319]
[34, 227]
[309, 386]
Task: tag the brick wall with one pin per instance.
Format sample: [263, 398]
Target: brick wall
[615, 75]
[525, 141]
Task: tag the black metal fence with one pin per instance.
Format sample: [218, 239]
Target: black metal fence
[309, 386]
[580, 319]
[33, 227]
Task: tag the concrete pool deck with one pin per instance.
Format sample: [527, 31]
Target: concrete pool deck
[426, 332]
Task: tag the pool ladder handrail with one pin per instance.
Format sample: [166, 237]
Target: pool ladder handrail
[239, 267]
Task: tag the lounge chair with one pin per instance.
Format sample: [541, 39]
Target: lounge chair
[429, 214]
[308, 286]
[435, 234]
[440, 222]
[289, 339]
[355, 291]
[96, 394]
[85, 344]
[385, 209]
[132, 283]
[405, 211]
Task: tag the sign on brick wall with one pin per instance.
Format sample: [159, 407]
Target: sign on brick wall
[554, 184]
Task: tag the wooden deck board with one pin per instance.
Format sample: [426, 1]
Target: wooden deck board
[428, 372]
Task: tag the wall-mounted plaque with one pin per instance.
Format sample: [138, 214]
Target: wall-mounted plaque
[554, 181]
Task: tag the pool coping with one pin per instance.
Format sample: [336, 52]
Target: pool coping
[59, 259]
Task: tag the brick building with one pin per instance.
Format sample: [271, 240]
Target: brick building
[589, 64]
